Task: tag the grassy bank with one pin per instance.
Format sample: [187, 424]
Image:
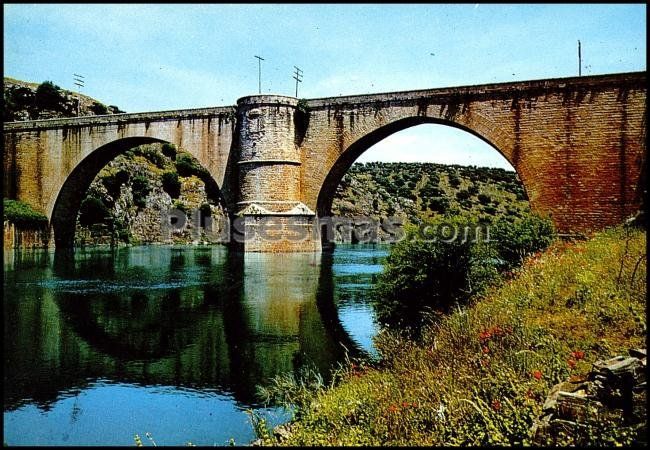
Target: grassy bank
[481, 374]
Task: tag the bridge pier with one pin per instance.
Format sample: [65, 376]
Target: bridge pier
[270, 214]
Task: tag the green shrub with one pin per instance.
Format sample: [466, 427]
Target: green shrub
[48, 96]
[425, 276]
[92, 211]
[171, 184]
[16, 99]
[187, 165]
[169, 150]
[484, 199]
[99, 108]
[113, 182]
[116, 109]
[22, 214]
[515, 239]
[438, 204]
[152, 154]
[141, 188]
[462, 195]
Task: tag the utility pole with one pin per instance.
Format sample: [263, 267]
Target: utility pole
[79, 81]
[298, 77]
[259, 72]
[579, 59]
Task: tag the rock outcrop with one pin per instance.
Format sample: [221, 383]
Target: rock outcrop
[606, 407]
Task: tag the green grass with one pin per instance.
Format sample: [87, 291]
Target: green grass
[22, 214]
[481, 374]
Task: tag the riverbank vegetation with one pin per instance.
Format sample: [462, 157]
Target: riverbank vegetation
[22, 214]
[479, 374]
[447, 260]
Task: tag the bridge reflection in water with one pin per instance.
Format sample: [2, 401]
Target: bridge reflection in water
[202, 319]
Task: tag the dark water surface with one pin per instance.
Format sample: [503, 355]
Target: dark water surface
[102, 345]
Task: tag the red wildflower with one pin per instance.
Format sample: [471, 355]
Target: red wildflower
[485, 335]
[578, 354]
[392, 408]
[571, 363]
[537, 374]
[486, 350]
[405, 404]
[496, 405]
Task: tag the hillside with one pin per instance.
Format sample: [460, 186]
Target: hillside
[24, 100]
[415, 191]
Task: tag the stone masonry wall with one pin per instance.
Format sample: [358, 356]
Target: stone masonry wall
[578, 144]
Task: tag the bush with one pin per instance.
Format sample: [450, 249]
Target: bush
[169, 150]
[141, 188]
[463, 195]
[16, 99]
[48, 96]
[98, 108]
[92, 211]
[22, 214]
[425, 275]
[113, 182]
[116, 109]
[171, 184]
[186, 166]
[152, 154]
[424, 278]
[515, 239]
[180, 205]
[484, 199]
[439, 204]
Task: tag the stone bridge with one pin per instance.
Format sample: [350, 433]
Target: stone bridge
[577, 144]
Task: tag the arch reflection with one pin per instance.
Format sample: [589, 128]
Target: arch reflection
[202, 318]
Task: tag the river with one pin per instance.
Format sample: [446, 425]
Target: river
[101, 345]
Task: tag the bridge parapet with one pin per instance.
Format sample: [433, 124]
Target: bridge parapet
[126, 118]
[492, 91]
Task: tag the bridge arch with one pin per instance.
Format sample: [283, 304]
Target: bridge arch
[481, 128]
[69, 197]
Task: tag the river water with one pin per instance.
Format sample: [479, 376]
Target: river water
[102, 345]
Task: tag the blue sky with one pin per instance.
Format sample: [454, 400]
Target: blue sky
[157, 57]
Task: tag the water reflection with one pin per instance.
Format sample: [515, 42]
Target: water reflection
[201, 319]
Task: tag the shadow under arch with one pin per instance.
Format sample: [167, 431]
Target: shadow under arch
[71, 194]
[360, 146]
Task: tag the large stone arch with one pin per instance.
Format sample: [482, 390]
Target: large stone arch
[488, 133]
[65, 208]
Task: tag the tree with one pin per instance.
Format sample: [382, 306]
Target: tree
[171, 184]
[92, 211]
[99, 108]
[48, 96]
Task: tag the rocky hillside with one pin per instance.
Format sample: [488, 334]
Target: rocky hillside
[29, 101]
[130, 200]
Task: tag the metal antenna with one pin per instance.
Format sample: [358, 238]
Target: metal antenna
[579, 59]
[79, 81]
[298, 77]
[259, 72]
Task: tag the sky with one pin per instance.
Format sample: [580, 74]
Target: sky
[171, 56]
